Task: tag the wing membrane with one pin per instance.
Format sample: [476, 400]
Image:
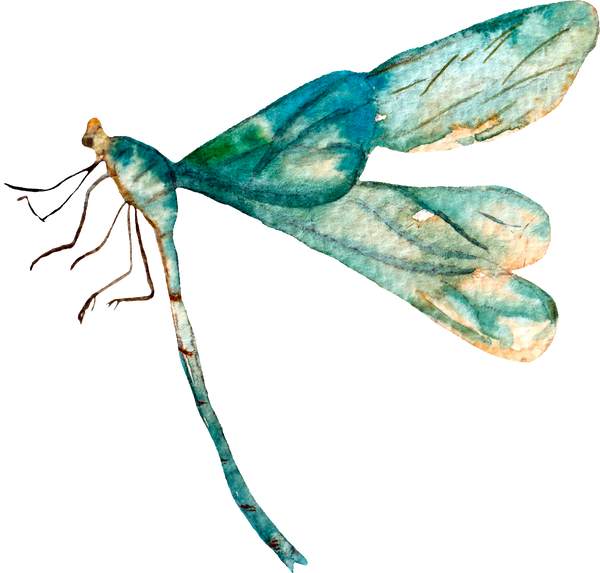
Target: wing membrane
[310, 146]
[447, 251]
[307, 148]
[488, 80]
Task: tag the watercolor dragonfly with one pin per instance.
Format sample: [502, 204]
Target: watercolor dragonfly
[296, 164]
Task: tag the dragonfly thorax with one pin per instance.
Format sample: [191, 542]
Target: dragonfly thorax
[143, 175]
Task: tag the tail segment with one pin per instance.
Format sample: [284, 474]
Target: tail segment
[266, 529]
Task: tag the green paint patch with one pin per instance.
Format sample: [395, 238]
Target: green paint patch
[246, 136]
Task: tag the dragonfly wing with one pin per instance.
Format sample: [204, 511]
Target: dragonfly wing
[447, 251]
[307, 148]
[491, 79]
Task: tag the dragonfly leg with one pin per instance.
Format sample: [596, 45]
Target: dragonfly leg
[137, 261]
[137, 253]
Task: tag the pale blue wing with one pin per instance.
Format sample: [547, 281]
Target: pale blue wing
[447, 251]
[310, 146]
[490, 79]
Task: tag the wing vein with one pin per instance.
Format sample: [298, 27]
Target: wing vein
[386, 260]
[548, 41]
[406, 191]
[392, 226]
[527, 79]
[408, 86]
[496, 220]
[496, 48]
[444, 111]
[439, 74]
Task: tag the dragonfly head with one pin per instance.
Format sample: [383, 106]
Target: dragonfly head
[96, 138]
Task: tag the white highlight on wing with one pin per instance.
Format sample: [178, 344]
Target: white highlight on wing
[423, 215]
[265, 127]
[313, 165]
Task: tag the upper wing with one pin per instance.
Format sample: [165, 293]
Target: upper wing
[307, 148]
[490, 79]
[310, 146]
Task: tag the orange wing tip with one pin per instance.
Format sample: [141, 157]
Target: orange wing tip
[532, 353]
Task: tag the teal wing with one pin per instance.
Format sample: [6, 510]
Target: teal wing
[310, 146]
[447, 251]
[488, 80]
[307, 148]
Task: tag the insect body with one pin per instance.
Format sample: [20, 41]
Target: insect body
[295, 166]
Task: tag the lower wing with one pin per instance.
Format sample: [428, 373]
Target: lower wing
[447, 251]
